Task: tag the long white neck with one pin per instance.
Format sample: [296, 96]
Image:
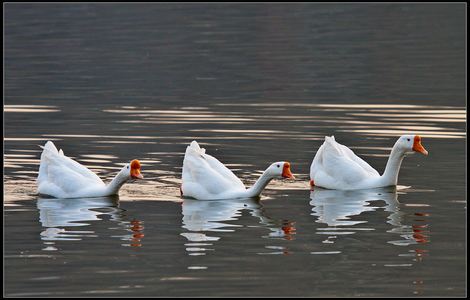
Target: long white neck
[390, 175]
[117, 182]
[259, 185]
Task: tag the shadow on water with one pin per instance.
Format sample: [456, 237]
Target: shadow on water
[61, 217]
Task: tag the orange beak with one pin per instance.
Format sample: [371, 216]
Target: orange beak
[286, 173]
[417, 145]
[135, 169]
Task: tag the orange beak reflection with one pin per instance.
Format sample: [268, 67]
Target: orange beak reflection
[417, 145]
[135, 169]
[286, 173]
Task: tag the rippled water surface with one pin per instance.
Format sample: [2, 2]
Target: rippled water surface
[253, 84]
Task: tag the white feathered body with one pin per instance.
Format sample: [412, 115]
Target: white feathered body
[335, 166]
[205, 177]
[62, 177]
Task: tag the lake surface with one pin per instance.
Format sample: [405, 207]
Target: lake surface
[253, 84]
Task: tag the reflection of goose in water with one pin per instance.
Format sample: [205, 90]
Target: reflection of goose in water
[58, 214]
[75, 212]
[212, 216]
[336, 209]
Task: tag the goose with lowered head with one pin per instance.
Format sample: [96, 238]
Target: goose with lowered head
[62, 177]
[335, 166]
[206, 178]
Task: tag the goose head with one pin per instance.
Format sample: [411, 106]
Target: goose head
[280, 169]
[410, 144]
[131, 171]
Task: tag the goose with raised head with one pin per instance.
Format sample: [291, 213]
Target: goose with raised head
[62, 177]
[335, 166]
[206, 178]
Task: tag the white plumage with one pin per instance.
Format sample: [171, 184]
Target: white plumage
[335, 166]
[206, 178]
[62, 177]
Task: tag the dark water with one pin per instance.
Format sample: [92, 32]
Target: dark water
[253, 83]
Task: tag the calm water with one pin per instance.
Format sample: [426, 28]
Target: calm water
[253, 84]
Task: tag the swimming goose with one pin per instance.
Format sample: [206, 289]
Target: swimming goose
[206, 178]
[62, 177]
[335, 166]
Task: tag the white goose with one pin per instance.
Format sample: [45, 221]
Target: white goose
[335, 166]
[206, 178]
[62, 177]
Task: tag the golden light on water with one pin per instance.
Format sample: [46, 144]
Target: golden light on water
[225, 122]
[30, 108]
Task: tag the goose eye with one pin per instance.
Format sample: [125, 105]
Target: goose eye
[128, 167]
[408, 140]
[278, 166]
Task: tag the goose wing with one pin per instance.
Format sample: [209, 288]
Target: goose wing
[207, 172]
[61, 173]
[335, 164]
